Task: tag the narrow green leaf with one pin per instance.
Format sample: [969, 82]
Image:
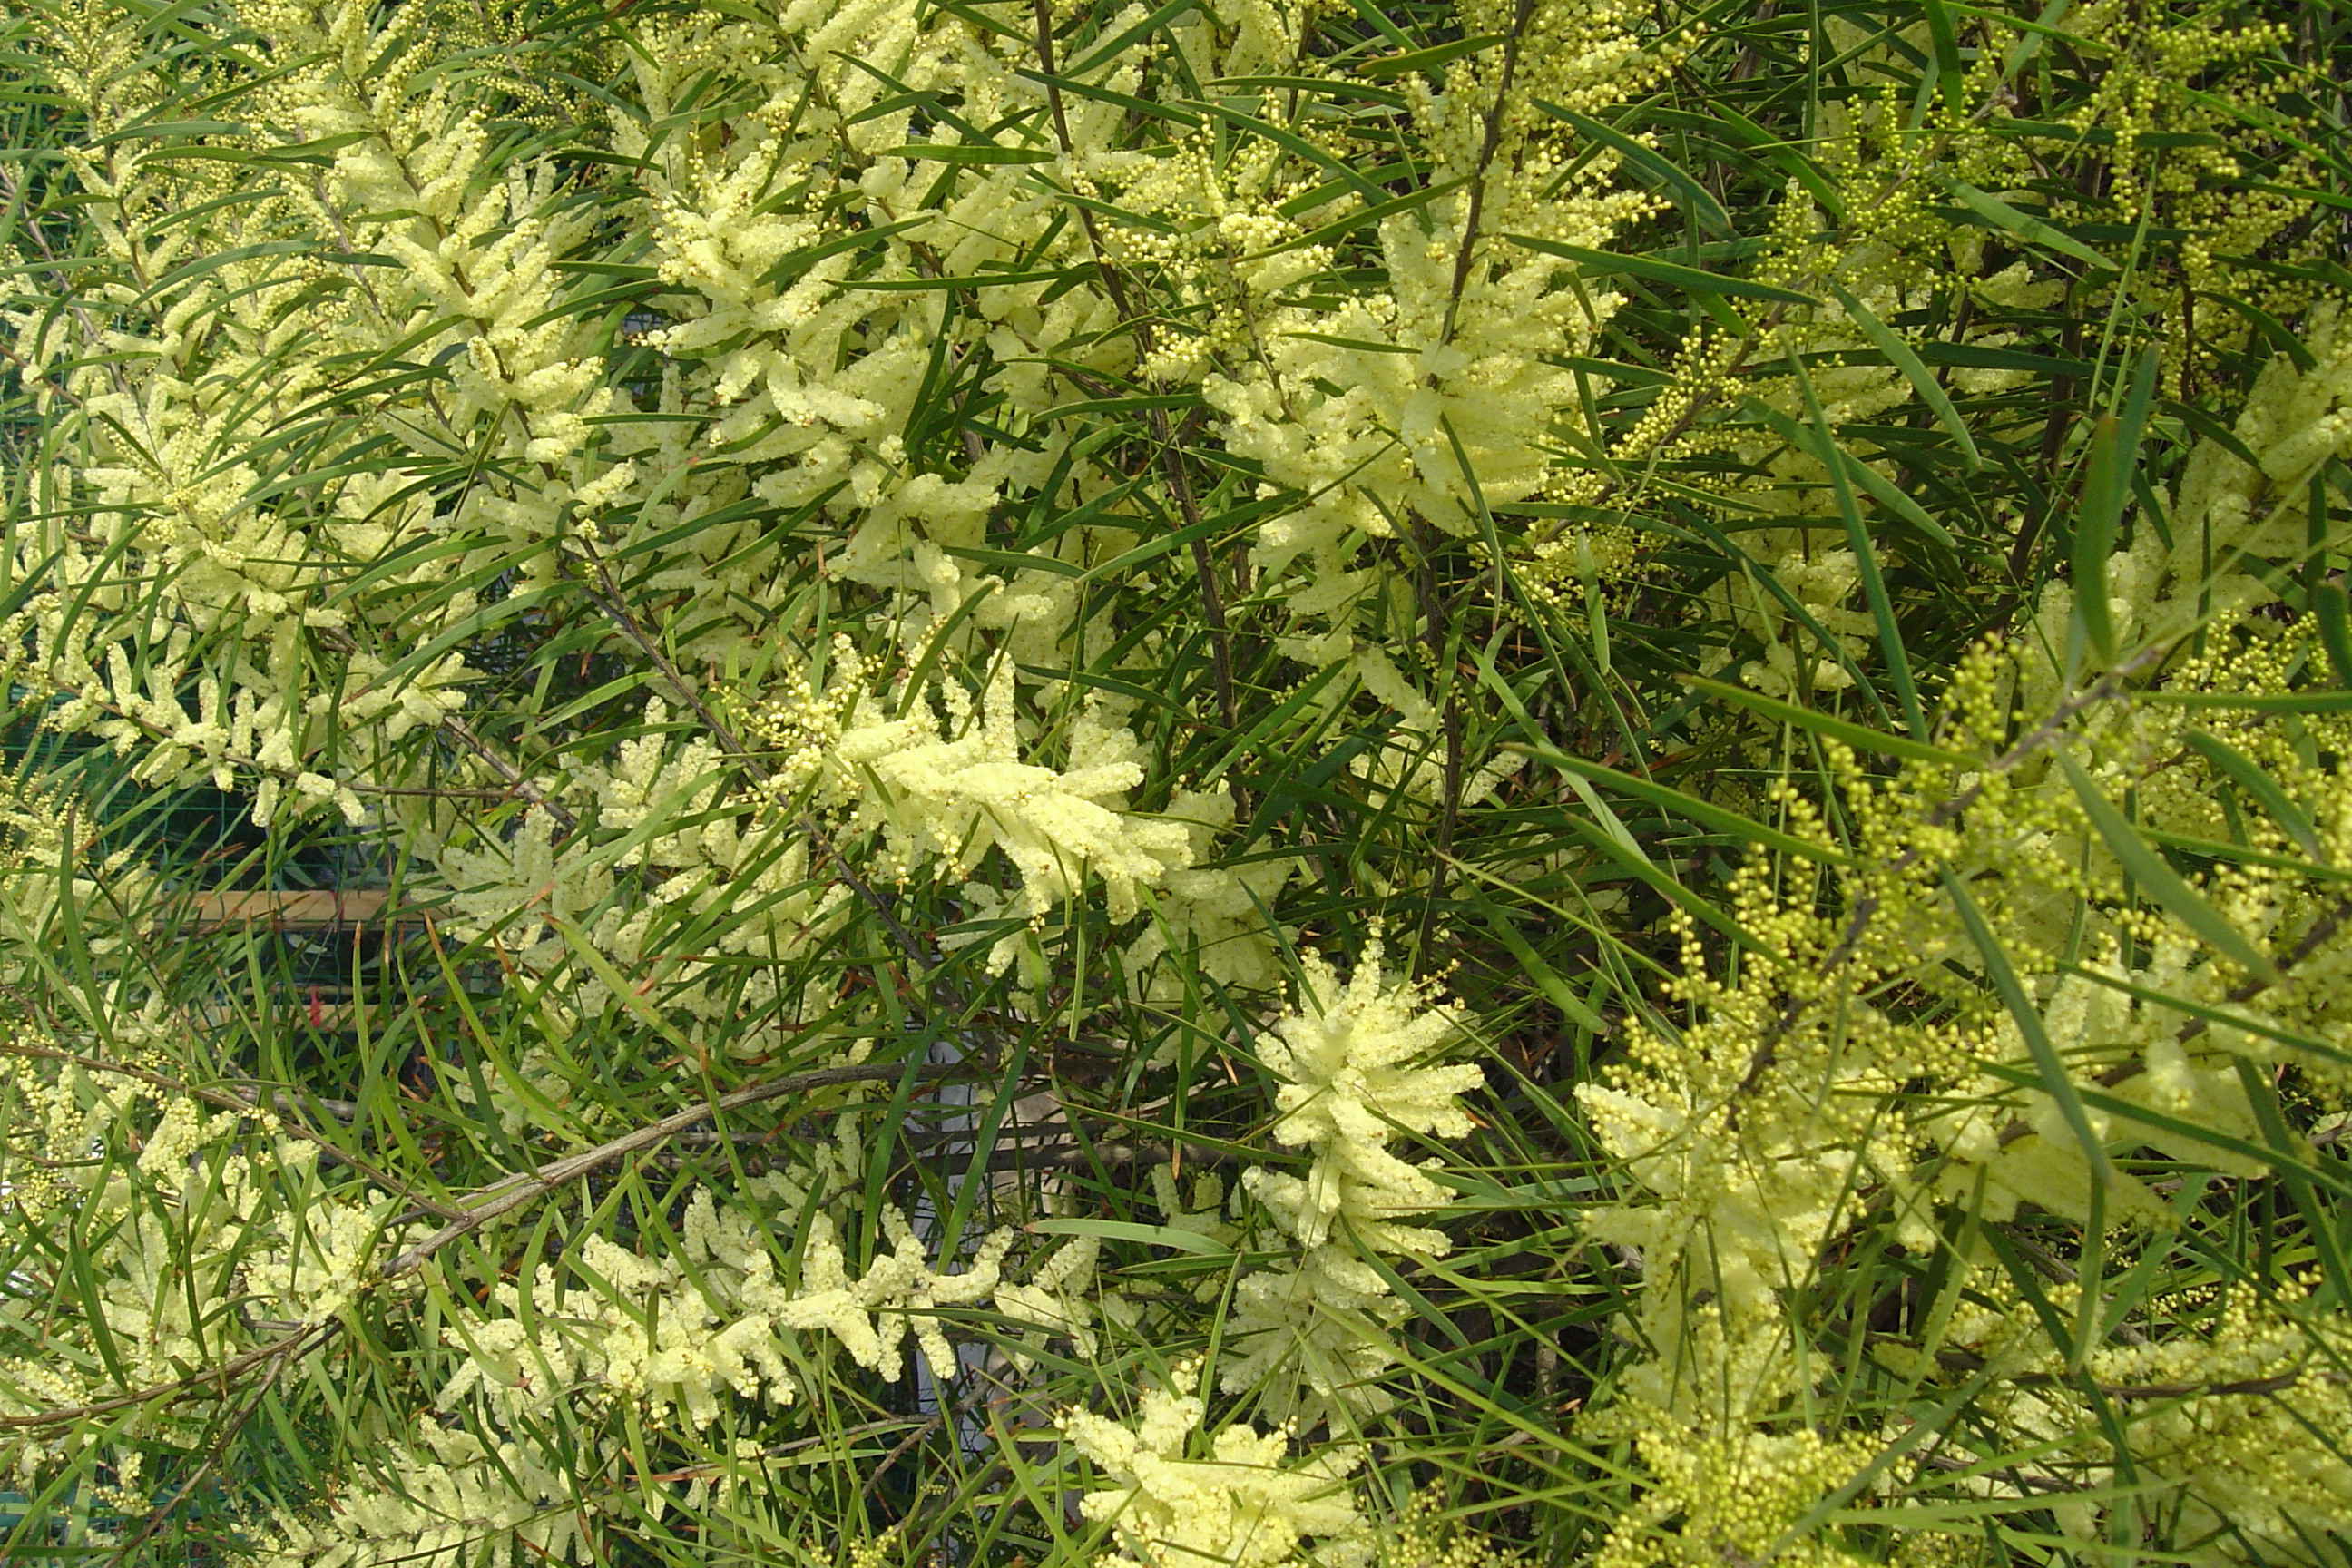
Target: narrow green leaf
[2222, 1017]
[2322, 1221]
[2211, 429]
[2241, 770]
[1340, 227]
[1291, 141]
[1642, 870]
[2285, 339]
[214, 261]
[1865, 556]
[1861, 737]
[2335, 618]
[1945, 40]
[2159, 880]
[2094, 538]
[1386, 66]
[1123, 1230]
[1117, 405]
[1143, 108]
[1378, 18]
[792, 264]
[2315, 531]
[1975, 356]
[169, 128]
[1690, 280]
[1700, 200]
[1765, 580]
[1109, 49]
[2257, 701]
[2026, 227]
[1548, 980]
[2214, 850]
[1667, 798]
[968, 280]
[1323, 86]
[1358, 344]
[1923, 381]
[1207, 528]
[2106, 482]
[1876, 484]
[1787, 156]
[2050, 1070]
[2140, 398]
[584, 948]
[970, 153]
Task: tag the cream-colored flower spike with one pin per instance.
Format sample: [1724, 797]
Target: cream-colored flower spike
[1311, 1338]
[1240, 1506]
[944, 792]
[1347, 1053]
[873, 1314]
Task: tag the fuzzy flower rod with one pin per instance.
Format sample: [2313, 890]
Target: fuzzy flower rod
[1223, 782]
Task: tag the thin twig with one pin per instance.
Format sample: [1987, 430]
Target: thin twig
[157, 1517]
[1180, 484]
[220, 1377]
[528, 1187]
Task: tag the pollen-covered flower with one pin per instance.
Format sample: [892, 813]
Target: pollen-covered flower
[1240, 1503]
[1351, 1054]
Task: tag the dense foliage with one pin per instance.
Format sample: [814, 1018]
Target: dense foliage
[1428, 784]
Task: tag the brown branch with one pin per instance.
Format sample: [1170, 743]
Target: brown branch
[528, 1187]
[607, 596]
[1171, 463]
[1967, 1360]
[499, 1198]
[2123, 1072]
[1490, 141]
[211, 1377]
[157, 1517]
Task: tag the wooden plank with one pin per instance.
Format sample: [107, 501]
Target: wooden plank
[302, 910]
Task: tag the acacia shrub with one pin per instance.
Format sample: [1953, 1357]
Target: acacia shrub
[1424, 783]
